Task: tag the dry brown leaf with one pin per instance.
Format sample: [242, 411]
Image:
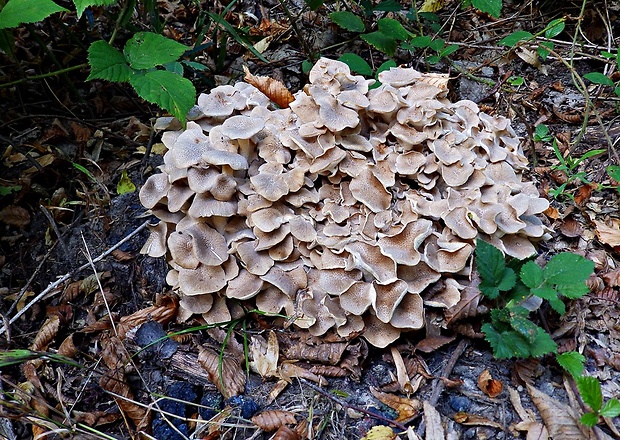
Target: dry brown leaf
[475, 420]
[327, 353]
[406, 408]
[277, 390]
[163, 312]
[68, 348]
[273, 419]
[561, 421]
[467, 307]
[430, 344]
[83, 287]
[515, 399]
[114, 382]
[401, 372]
[608, 232]
[272, 88]
[570, 227]
[289, 370]
[95, 418]
[122, 256]
[380, 432]
[432, 418]
[46, 333]
[584, 192]
[612, 278]
[329, 371]
[265, 355]
[101, 324]
[526, 370]
[552, 213]
[15, 216]
[535, 430]
[491, 387]
[226, 374]
[285, 433]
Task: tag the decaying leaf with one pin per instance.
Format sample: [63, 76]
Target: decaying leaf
[329, 371]
[15, 216]
[265, 355]
[432, 418]
[401, 372]
[430, 344]
[561, 421]
[46, 333]
[431, 5]
[314, 350]
[273, 419]
[380, 432]
[491, 387]
[95, 418]
[608, 232]
[467, 307]
[225, 372]
[277, 390]
[163, 312]
[285, 433]
[83, 287]
[272, 88]
[289, 370]
[406, 408]
[526, 370]
[475, 420]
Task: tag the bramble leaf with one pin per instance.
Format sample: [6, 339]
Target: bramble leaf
[590, 390]
[421, 41]
[512, 39]
[507, 344]
[166, 89]
[568, 269]
[490, 261]
[611, 408]
[589, 419]
[531, 275]
[348, 21]
[146, 50]
[81, 5]
[16, 12]
[356, 63]
[598, 78]
[572, 362]
[525, 327]
[392, 27]
[491, 7]
[380, 41]
[106, 62]
[543, 344]
[555, 28]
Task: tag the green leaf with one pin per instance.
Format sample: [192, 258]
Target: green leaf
[507, 344]
[525, 327]
[516, 81]
[6, 190]
[107, 63]
[555, 28]
[614, 172]
[356, 63]
[166, 89]
[348, 20]
[421, 42]
[558, 305]
[433, 59]
[589, 419]
[174, 67]
[194, 65]
[598, 78]
[512, 39]
[125, 185]
[572, 362]
[81, 5]
[567, 268]
[543, 344]
[545, 292]
[490, 263]
[532, 275]
[392, 27]
[306, 66]
[508, 281]
[543, 49]
[16, 12]
[314, 4]
[437, 44]
[386, 66]
[448, 50]
[491, 7]
[489, 290]
[590, 390]
[146, 50]
[388, 6]
[380, 41]
[611, 408]
[573, 291]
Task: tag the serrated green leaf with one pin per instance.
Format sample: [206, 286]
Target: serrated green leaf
[555, 28]
[567, 268]
[543, 49]
[356, 63]
[611, 408]
[380, 41]
[491, 7]
[589, 419]
[525, 327]
[146, 50]
[386, 66]
[512, 39]
[508, 281]
[125, 185]
[572, 362]
[348, 20]
[532, 275]
[490, 263]
[433, 59]
[590, 390]
[614, 172]
[507, 344]
[558, 305]
[489, 290]
[437, 44]
[392, 27]
[194, 65]
[598, 78]
[171, 92]
[81, 5]
[388, 6]
[543, 344]
[106, 62]
[174, 67]
[573, 291]
[17, 12]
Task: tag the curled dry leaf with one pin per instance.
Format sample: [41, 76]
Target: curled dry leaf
[526, 370]
[265, 355]
[288, 370]
[608, 232]
[277, 390]
[67, 347]
[15, 216]
[95, 418]
[272, 88]
[163, 312]
[285, 433]
[46, 333]
[467, 307]
[329, 371]
[271, 420]
[327, 353]
[431, 344]
[401, 372]
[83, 287]
[406, 408]
[225, 373]
[475, 420]
[114, 382]
[491, 387]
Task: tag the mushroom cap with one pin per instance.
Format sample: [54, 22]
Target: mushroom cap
[242, 126]
[154, 190]
[202, 279]
[155, 245]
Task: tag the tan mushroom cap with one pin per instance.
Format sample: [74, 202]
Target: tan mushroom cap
[154, 190]
[257, 263]
[203, 279]
[387, 299]
[209, 245]
[410, 312]
[272, 300]
[242, 127]
[205, 206]
[181, 246]
[403, 247]
[244, 286]
[219, 312]
[370, 260]
[378, 333]
[189, 147]
[358, 298]
[196, 303]
[155, 245]
[367, 189]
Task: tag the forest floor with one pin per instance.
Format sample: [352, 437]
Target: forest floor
[72, 363]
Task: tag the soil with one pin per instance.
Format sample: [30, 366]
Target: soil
[61, 218]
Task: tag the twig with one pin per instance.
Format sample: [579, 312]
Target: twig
[54, 226]
[346, 405]
[70, 274]
[438, 384]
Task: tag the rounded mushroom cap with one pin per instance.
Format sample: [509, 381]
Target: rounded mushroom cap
[242, 127]
[154, 190]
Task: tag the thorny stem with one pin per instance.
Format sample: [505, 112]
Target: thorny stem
[346, 405]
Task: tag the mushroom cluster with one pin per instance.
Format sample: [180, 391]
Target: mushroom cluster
[347, 210]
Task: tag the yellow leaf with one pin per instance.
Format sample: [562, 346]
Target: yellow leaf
[125, 185]
[431, 5]
[380, 432]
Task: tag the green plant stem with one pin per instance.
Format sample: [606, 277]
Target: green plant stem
[44, 75]
[462, 71]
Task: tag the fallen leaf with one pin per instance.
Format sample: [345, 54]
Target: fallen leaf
[432, 418]
[329, 371]
[285, 433]
[224, 372]
[273, 419]
[552, 213]
[401, 372]
[571, 227]
[406, 408]
[272, 88]
[380, 432]
[163, 312]
[608, 234]
[491, 387]
[467, 307]
[289, 370]
[15, 216]
[525, 370]
[265, 354]
[475, 420]
[46, 333]
[125, 185]
[430, 344]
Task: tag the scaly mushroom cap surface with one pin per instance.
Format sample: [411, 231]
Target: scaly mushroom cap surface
[351, 211]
